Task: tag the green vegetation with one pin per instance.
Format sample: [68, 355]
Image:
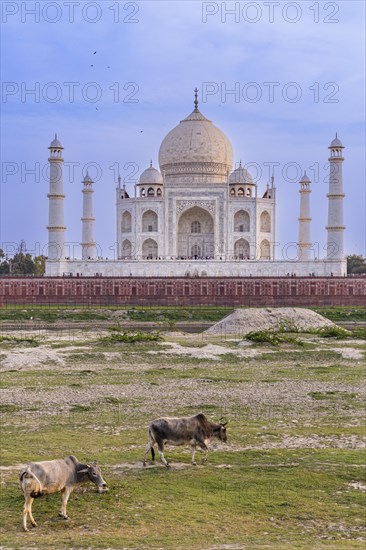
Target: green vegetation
[356, 264]
[19, 340]
[22, 263]
[161, 315]
[276, 337]
[272, 337]
[333, 332]
[342, 314]
[131, 337]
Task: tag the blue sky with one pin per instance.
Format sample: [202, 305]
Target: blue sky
[150, 56]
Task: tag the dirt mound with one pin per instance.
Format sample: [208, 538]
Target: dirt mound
[291, 319]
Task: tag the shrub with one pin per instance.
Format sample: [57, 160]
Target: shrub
[264, 336]
[272, 337]
[333, 332]
[131, 337]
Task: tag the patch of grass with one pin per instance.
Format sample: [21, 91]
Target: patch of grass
[333, 332]
[30, 341]
[332, 395]
[8, 408]
[352, 314]
[132, 337]
[359, 332]
[272, 337]
[172, 314]
[80, 408]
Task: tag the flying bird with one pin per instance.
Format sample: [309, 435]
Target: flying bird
[94, 53]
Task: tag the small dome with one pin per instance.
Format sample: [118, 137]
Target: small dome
[151, 175]
[240, 175]
[336, 142]
[305, 179]
[56, 143]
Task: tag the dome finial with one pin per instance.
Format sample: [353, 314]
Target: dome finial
[196, 99]
[150, 163]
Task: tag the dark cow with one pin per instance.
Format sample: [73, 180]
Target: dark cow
[53, 476]
[193, 431]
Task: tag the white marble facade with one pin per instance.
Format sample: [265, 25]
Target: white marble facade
[199, 214]
[196, 206]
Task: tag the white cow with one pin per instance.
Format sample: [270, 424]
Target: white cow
[53, 476]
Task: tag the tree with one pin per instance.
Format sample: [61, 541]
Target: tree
[22, 264]
[356, 264]
[4, 264]
[39, 265]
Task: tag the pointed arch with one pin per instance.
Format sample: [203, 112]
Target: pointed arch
[150, 249]
[265, 250]
[126, 249]
[126, 222]
[242, 221]
[149, 221]
[242, 249]
[196, 227]
[265, 222]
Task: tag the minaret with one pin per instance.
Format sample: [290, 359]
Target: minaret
[87, 243]
[304, 243]
[56, 226]
[335, 227]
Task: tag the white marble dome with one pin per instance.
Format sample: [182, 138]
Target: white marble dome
[240, 175]
[196, 150]
[151, 176]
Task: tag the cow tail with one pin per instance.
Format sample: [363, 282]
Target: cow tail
[152, 446]
[28, 473]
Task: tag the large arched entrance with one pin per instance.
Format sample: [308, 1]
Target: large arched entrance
[196, 234]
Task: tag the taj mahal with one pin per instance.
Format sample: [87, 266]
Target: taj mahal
[198, 215]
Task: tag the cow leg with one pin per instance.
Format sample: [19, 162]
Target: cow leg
[205, 449]
[27, 509]
[65, 493]
[193, 447]
[31, 515]
[161, 453]
[150, 445]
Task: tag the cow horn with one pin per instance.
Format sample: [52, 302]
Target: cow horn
[225, 424]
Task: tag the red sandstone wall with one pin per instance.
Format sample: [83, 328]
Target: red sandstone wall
[229, 291]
